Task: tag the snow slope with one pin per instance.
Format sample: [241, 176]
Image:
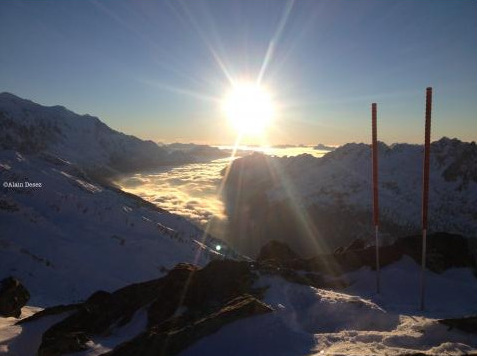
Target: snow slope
[72, 236]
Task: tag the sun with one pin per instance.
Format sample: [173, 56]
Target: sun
[249, 108]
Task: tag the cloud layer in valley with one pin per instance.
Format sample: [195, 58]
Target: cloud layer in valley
[189, 190]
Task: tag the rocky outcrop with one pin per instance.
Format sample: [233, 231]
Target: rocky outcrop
[467, 324]
[185, 305]
[277, 251]
[444, 251]
[278, 258]
[178, 334]
[103, 310]
[13, 296]
[218, 282]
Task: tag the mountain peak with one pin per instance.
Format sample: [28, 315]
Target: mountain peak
[6, 96]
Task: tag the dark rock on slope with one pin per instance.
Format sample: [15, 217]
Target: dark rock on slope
[13, 296]
[467, 324]
[178, 334]
[185, 305]
[444, 251]
[276, 250]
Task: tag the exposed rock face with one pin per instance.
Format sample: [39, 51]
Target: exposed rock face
[103, 310]
[185, 305]
[277, 257]
[13, 296]
[218, 282]
[276, 250]
[172, 338]
[467, 324]
[444, 251]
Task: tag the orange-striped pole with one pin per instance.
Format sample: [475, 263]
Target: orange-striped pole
[375, 189]
[425, 189]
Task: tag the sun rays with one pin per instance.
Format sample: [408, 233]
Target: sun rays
[252, 107]
[249, 108]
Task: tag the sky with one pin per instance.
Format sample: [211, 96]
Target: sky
[160, 69]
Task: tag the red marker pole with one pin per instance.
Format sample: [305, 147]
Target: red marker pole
[425, 189]
[375, 189]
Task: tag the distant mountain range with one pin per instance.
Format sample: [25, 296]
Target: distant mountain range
[323, 147]
[318, 204]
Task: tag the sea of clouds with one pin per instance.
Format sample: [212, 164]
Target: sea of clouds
[191, 190]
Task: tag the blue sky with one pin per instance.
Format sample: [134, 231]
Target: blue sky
[156, 69]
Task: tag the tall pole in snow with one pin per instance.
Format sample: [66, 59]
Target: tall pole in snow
[425, 189]
[375, 189]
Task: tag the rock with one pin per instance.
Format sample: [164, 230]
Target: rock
[13, 296]
[357, 244]
[212, 296]
[444, 250]
[103, 310]
[165, 341]
[467, 324]
[312, 279]
[172, 294]
[58, 309]
[276, 250]
[219, 293]
[218, 282]
[68, 343]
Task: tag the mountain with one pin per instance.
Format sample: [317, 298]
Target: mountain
[318, 204]
[64, 231]
[65, 236]
[31, 128]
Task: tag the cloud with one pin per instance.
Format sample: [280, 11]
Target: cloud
[189, 190]
[132, 182]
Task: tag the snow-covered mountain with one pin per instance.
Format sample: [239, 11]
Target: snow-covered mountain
[28, 127]
[318, 204]
[69, 236]
[64, 231]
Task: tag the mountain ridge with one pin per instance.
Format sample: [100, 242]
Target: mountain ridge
[85, 140]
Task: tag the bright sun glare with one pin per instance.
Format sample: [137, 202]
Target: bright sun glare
[249, 108]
